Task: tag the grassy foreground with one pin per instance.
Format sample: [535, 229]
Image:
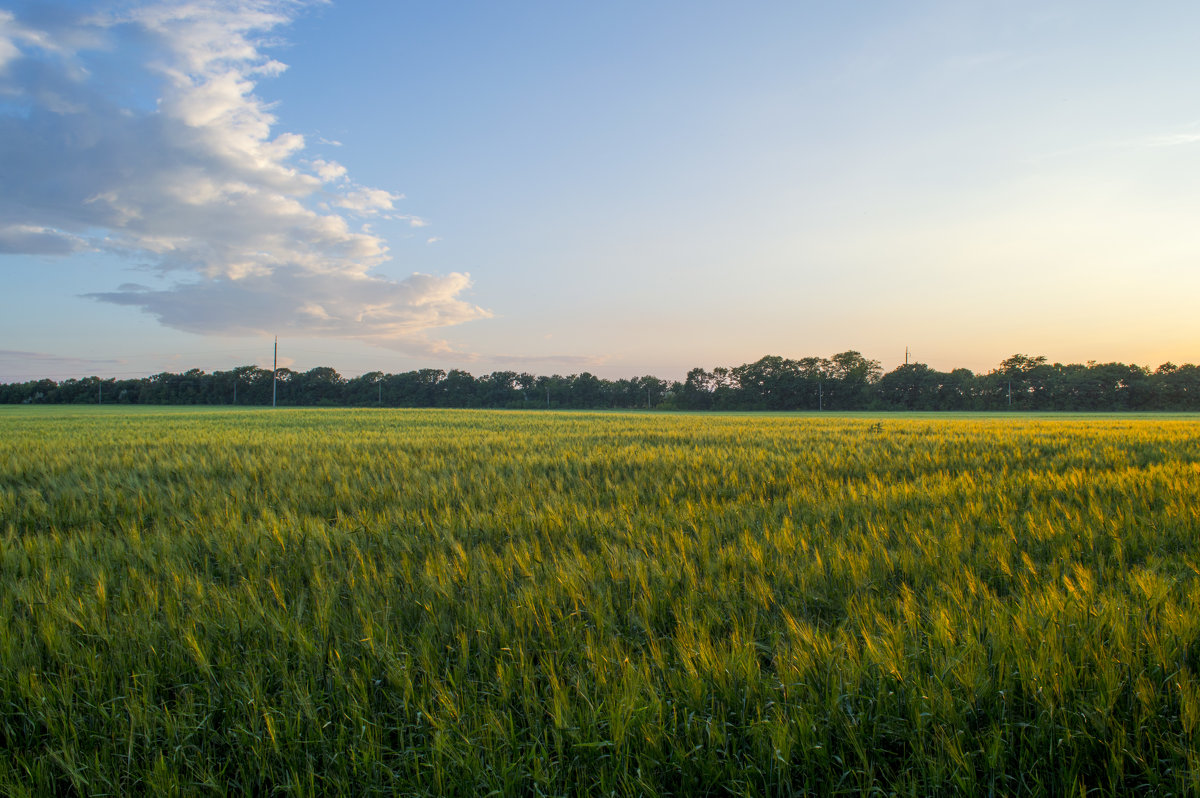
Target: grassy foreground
[464, 603]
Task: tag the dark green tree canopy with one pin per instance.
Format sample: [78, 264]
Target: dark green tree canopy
[844, 381]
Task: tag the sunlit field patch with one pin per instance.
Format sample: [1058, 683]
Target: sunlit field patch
[468, 602]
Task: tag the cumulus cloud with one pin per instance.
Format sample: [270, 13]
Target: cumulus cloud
[177, 165]
[298, 300]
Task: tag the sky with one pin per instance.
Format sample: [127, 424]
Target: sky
[623, 188]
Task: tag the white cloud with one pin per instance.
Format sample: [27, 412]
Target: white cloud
[328, 171]
[367, 201]
[34, 240]
[298, 301]
[198, 185]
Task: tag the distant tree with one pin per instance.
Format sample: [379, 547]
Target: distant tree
[1022, 381]
[365, 390]
[254, 385]
[1176, 387]
[851, 379]
[958, 390]
[554, 391]
[458, 389]
[770, 383]
[844, 381]
[318, 386]
[587, 391]
[913, 386]
[498, 389]
[284, 386]
[654, 390]
[698, 389]
[526, 385]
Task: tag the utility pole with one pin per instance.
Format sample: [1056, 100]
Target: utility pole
[99, 391]
[547, 397]
[906, 355]
[380, 384]
[820, 395]
[275, 372]
[647, 397]
[1010, 393]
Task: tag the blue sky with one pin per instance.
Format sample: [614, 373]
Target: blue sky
[623, 188]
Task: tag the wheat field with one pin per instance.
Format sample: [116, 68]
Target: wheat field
[423, 602]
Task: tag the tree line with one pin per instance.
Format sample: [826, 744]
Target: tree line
[845, 381]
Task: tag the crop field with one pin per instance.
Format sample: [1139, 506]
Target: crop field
[384, 602]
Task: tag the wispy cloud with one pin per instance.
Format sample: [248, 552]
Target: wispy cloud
[194, 182]
[18, 366]
[1172, 140]
[1182, 136]
[35, 240]
[571, 362]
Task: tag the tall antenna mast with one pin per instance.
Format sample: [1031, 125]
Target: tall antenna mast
[274, 372]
